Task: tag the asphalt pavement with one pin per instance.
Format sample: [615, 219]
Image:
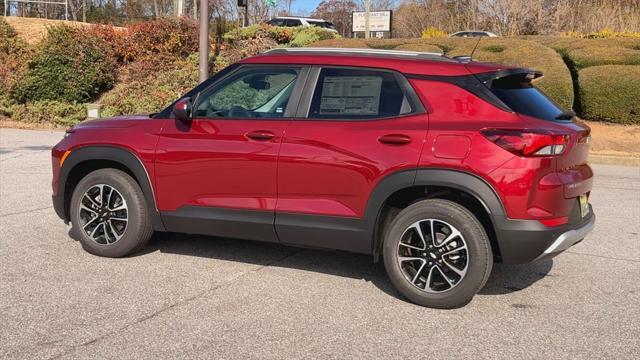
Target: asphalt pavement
[201, 297]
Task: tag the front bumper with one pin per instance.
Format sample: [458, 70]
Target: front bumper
[58, 206]
[524, 241]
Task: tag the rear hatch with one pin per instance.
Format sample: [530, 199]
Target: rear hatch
[514, 89]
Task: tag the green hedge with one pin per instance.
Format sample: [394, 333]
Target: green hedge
[68, 66]
[46, 112]
[583, 53]
[611, 93]
[151, 94]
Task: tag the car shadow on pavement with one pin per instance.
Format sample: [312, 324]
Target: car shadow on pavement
[504, 278]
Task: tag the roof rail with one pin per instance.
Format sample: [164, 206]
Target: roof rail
[356, 51]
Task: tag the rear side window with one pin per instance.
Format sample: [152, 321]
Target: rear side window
[524, 98]
[293, 22]
[351, 94]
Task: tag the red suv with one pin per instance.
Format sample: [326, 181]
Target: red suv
[441, 166]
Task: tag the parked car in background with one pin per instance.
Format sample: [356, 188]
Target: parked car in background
[473, 33]
[439, 166]
[293, 21]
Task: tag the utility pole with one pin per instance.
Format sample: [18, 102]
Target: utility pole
[367, 10]
[204, 41]
[84, 11]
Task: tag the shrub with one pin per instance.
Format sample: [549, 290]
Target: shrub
[384, 44]
[151, 94]
[583, 53]
[602, 34]
[344, 43]
[49, 112]
[162, 38]
[14, 56]
[417, 46]
[304, 36]
[610, 93]
[494, 48]
[281, 35]
[117, 39]
[68, 66]
[432, 32]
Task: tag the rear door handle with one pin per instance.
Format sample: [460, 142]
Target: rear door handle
[260, 135]
[394, 139]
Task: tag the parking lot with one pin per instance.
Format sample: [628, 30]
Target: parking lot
[199, 297]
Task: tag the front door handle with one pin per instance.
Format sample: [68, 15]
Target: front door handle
[394, 139]
[260, 135]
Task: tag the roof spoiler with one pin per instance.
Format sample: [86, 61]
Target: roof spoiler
[519, 74]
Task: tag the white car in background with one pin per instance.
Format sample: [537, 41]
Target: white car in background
[473, 33]
[293, 21]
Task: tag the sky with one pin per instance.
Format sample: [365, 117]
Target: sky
[303, 6]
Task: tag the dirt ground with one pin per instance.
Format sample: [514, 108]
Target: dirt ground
[617, 140]
[33, 30]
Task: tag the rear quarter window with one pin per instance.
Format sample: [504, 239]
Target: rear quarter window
[524, 98]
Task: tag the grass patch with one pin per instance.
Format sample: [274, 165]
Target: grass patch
[610, 93]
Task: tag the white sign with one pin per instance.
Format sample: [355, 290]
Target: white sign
[356, 95]
[378, 21]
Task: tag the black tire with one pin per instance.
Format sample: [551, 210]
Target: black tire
[479, 256]
[138, 229]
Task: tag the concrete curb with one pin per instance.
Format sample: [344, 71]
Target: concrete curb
[614, 159]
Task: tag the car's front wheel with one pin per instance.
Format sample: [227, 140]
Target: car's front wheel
[109, 214]
[437, 254]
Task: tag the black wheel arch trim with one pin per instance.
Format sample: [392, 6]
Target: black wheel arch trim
[457, 179]
[116, 154]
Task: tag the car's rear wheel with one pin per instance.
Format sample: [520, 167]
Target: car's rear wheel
[109, 214]
[437, 254]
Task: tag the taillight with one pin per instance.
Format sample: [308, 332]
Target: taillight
[528, 143]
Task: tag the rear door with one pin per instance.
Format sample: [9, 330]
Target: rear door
[354, 127]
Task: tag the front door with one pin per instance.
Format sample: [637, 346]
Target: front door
[216, 175]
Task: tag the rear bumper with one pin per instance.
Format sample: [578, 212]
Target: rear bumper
[524, 241]
[568, 239]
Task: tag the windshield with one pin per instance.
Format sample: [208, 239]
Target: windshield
[524, 98]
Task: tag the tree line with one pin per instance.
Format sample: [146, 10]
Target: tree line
[410, 17]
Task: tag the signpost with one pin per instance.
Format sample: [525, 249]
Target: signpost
[378, 21]
[203, 43]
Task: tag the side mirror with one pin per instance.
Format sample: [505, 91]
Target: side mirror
[182, 109]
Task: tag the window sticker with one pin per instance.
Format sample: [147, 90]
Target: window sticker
[351, 95]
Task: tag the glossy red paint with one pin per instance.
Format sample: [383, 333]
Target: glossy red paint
[135, 134]
[331, 167]
[227, 163]
[531, 187]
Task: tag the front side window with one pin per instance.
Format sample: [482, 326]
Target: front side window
[352, 94]
[249, 93]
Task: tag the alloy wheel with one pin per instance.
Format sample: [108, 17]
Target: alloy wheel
[103, 214]
[433, 255]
